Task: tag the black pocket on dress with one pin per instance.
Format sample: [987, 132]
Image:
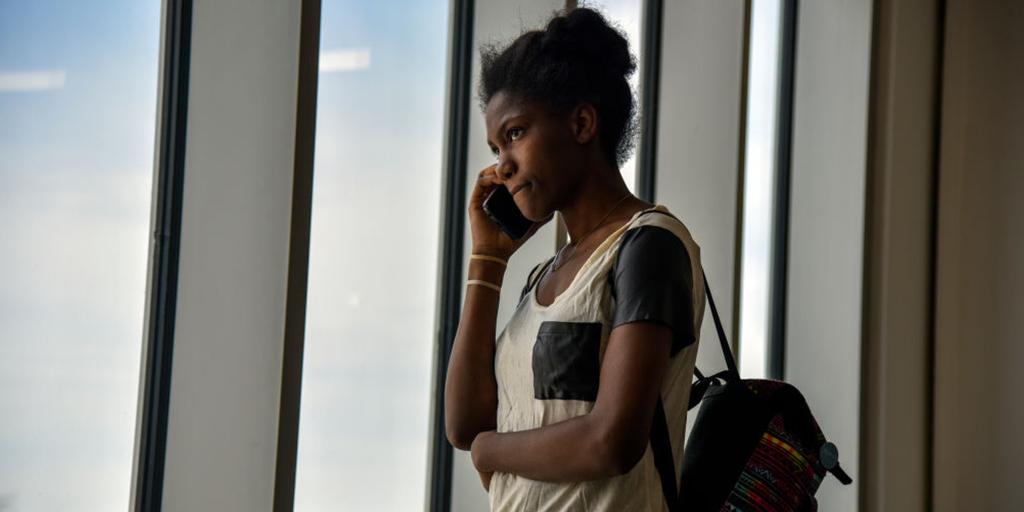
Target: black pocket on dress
[566, 362]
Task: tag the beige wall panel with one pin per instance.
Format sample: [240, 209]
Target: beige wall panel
[979, 359]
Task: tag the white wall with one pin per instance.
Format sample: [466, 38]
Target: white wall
[699, 143]
[229, 331]
[826, 237]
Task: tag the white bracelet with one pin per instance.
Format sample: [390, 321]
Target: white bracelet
[484, 283]
[488, 258]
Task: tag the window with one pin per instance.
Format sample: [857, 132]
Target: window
[766, 127]
[365, 421]
[78, 88]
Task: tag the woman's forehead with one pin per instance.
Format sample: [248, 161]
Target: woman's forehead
[504, 106]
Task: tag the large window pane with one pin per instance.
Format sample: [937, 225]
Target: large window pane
[78, 84]
[759, 186]
[364, 431]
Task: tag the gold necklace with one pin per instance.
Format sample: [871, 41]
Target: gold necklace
[575, 243]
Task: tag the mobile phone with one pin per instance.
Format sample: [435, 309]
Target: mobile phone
[502, 209]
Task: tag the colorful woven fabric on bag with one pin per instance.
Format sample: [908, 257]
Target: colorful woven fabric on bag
[781, 473]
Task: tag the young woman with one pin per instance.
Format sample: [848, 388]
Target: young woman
[558, 410]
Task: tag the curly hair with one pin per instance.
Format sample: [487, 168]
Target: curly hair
[578, 57]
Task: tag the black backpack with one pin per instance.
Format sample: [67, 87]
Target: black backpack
[755, 445]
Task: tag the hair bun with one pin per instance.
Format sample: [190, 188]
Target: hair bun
[577, 58]
[585, 34]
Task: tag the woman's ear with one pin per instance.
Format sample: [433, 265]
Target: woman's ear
[584, 123]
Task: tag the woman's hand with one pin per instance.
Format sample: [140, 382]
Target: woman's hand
[485, 478]
[488, 238]
[475, 452]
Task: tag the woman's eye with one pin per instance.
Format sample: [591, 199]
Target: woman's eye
[515, 133]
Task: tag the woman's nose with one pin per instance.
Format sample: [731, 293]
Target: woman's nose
[505, 169]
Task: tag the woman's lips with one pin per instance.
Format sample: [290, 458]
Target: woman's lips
[520, 187]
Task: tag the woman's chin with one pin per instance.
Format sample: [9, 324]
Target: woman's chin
[530, 212]
[525, 209]
[535, 216]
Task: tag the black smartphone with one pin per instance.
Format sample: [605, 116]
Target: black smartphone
[502, 209]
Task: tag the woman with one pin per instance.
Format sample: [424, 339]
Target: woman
[619, 305]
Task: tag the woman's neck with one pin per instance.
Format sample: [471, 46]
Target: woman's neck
[594, 201]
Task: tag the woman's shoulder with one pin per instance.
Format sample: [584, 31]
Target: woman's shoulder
[661, 217]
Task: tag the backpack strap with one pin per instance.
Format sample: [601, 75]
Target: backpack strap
[730, 362]
[661, 448]
[534, 275]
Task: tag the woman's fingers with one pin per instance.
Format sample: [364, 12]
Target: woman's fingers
[486, 180]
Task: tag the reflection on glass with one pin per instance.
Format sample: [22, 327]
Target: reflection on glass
[758, 188]
[364, 432]
[78, 86]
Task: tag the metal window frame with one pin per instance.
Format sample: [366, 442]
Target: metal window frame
[741, 178]
[778, 290]
[651, 27]
[298, 257]
[452, 241]
[166, 243]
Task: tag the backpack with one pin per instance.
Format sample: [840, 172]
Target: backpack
[755, 445]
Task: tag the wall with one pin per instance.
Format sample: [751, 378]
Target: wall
[979, 357]
[896, 411]
[236, 227]
[826, 244]
[700, 141]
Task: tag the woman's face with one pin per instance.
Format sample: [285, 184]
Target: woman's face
[535, 151]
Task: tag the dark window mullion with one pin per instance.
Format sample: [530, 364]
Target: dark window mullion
[165, 253]
[298, 258]
[649, 82]
[776, 349]
[453, 237]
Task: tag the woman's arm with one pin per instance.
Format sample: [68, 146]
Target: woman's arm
[608, 441]
[470, 391]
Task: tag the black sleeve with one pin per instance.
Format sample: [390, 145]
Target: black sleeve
[652, 280]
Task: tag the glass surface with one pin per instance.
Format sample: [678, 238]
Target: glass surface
[627, 16]
[364, 431]
[78, 99]
[758, 187]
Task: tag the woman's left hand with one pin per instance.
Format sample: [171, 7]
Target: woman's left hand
[476, 451]
[485, 478]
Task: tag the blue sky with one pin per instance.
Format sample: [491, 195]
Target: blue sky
[364, 423]
[77, 115]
